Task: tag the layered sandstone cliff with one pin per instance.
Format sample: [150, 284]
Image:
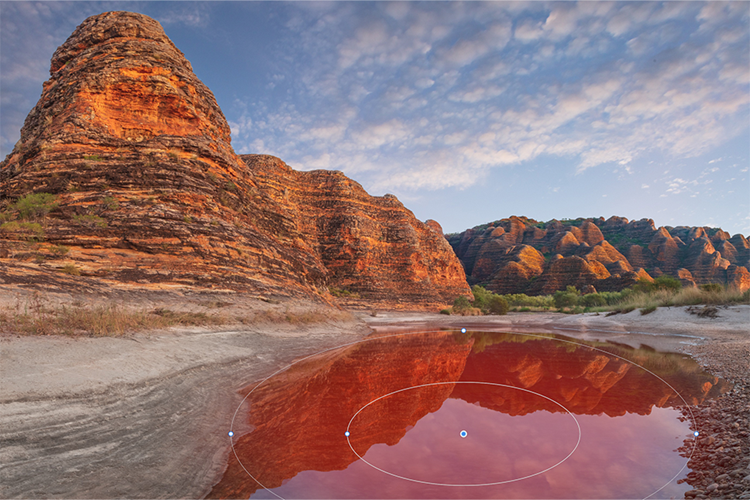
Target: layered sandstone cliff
[146, 190]
[370, 246]
[521, 255]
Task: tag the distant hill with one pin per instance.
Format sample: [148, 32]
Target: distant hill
[521, 255]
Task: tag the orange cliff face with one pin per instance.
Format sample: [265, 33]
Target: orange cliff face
[299, 416]
[372, 246]
[149, 192]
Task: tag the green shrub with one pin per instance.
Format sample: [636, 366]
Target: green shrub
[341, 292]
[461, 304]
[481, 297]
[592, 300]
[497, 305]
[643, 286]
[35, 205]
[111, 203]
[31, 230]
[70, 269]
[648, 310]
[10, 226]
[523, 300]
[93, 158]
[445, 311]
[712, 288]
[565, 299]
[665, 282]
[59, 250]
[613, 298]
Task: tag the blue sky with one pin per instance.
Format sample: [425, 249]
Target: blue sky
[468, 112]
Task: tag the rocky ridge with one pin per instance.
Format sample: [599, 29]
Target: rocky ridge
[148, 192]
[521, 255]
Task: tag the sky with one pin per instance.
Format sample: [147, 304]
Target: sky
[469, 112]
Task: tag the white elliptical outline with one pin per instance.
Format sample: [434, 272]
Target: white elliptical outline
[467, 484]
[284, 368]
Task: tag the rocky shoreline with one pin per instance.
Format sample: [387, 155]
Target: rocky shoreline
[720, 463]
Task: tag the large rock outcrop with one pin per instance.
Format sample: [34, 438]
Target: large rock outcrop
[147, 191]
[372, 246]
[608, 255]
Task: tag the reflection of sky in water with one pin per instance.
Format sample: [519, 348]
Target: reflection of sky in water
[630, 431]
[619, 457]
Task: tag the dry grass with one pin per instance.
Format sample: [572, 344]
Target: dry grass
[466, 311]
[684, 297]
[301, 317]
[34, 318]
[37, 316]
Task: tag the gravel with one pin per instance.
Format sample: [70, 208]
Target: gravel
[720, 464]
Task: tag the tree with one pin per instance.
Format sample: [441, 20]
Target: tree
[665, 282]
[497, 305]
[565, 299]
[461, 304]
[592, 300]
[481, 297]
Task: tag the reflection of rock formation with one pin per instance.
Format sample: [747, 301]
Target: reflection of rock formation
[584, 380]
[300, 415]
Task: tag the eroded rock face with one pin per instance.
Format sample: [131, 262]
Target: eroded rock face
[616, 253]
[150, 192]
[372, 246]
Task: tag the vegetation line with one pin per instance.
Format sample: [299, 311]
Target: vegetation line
[645, 295]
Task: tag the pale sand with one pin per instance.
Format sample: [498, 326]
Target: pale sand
[146, 416]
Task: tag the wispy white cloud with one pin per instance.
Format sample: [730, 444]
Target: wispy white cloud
[476, 88]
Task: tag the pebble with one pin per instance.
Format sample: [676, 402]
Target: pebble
[712, 487]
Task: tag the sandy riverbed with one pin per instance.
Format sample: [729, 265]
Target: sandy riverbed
[146, 416]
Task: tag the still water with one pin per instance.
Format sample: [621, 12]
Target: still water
[446, 414]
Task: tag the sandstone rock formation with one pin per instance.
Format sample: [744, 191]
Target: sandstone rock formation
[607, 255]
[147, 191]
[372, 246]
